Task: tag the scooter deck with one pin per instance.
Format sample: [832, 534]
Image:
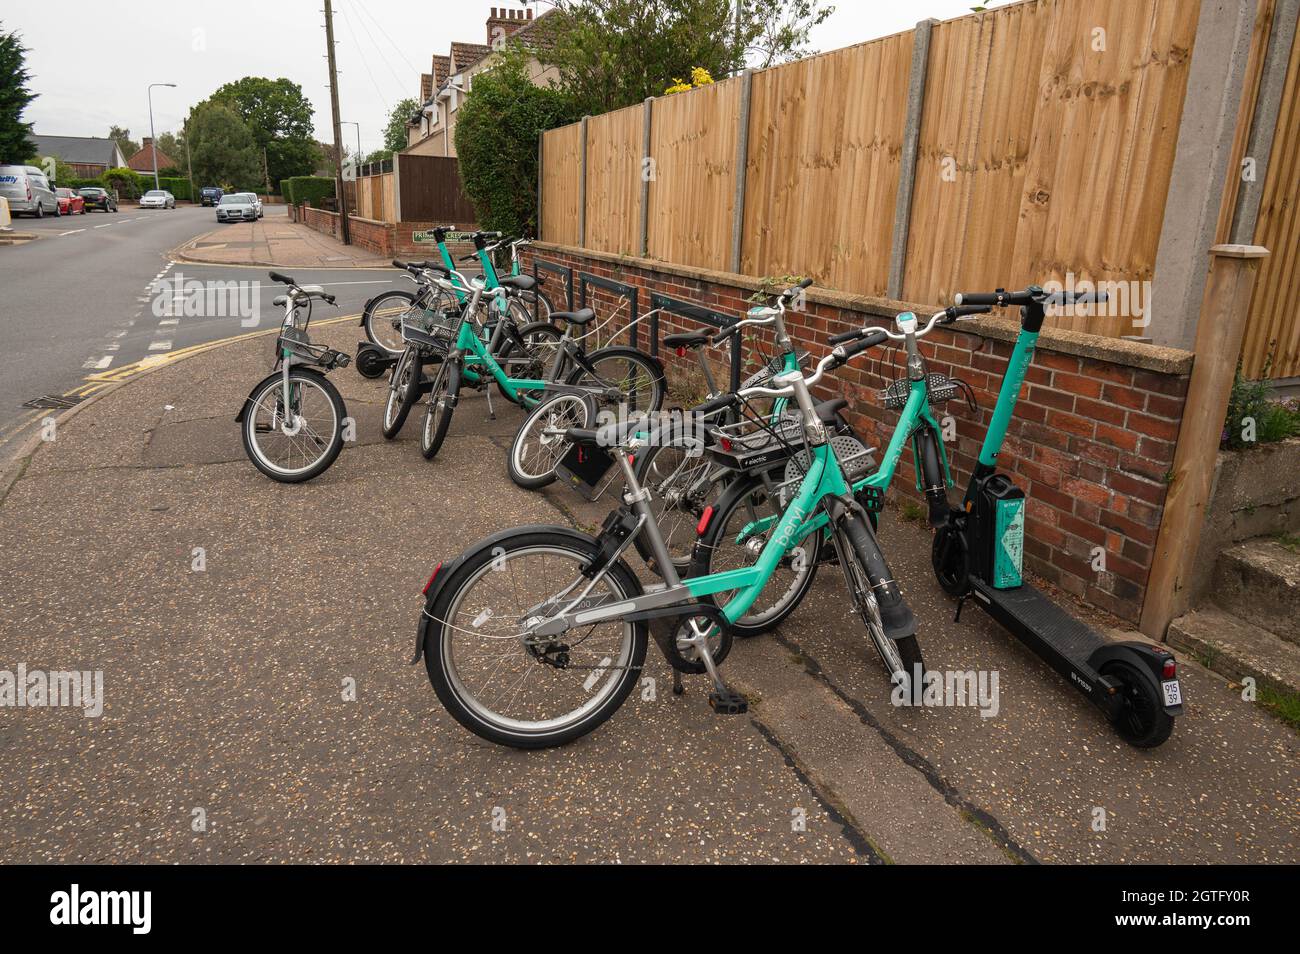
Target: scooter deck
[1063, 641]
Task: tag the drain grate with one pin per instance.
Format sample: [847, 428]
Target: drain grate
[54, 401]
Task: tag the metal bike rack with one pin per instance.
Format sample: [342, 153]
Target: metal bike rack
[719, 319]
[632, 294]
[562, 270]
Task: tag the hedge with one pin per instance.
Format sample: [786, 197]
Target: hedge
[312, 190]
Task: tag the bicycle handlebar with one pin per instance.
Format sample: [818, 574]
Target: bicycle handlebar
[297, 291]
[1033, 294]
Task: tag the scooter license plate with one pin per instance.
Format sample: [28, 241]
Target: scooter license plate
[1173, 692]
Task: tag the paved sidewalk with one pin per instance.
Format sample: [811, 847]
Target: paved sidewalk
[275, 241]
[223, 688]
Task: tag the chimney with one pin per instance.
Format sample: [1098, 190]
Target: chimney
[147, 143]
[504, 22]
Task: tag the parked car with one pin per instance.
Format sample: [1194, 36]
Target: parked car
[97, 198]
[70, 202]
[236, 207]
[257, 203]
[210, 195]
[158, 199]
[28, 191]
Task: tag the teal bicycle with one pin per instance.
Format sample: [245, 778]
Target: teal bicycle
[619, 375]
[383, 315]
[535, 636]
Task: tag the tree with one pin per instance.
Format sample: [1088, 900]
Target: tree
[496, 140]
[15, 146]
[395, 131]
[615, 53]
[279, 117]
[124, 141]
[222, 148]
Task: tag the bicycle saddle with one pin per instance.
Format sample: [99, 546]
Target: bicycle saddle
[687, 339]
[521, 283]
[579, 317]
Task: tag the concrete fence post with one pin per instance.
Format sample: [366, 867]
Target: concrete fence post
[1214, 84]
[907, 159]
[1263, 125]
[643, 227]
[742, 170]
[541, 150]
[1225, 304]
[582, 188]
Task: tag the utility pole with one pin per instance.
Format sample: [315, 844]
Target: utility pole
[189, 163]
[344, 226]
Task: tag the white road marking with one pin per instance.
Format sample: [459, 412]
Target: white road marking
[104, 226]
[169, 321]
[160, 346]
[71, 232]
[98, 365]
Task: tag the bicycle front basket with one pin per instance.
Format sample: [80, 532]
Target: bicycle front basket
[939, 388]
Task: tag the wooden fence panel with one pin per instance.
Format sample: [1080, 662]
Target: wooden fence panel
[692, 194]
[431, 190]
[825, 135]
[561, 169]
[1105, 132]
[1274, 321]
[614, 143]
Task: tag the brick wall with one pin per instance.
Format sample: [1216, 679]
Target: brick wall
[383, 238]
[1091, 442]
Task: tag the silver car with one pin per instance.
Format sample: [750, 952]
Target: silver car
[28, 191]
[257, 203]
[236, 207]
[158, 199]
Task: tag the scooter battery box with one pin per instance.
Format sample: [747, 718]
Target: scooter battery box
[1000, 515]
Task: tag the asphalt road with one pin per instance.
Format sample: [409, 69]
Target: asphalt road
[87, 298]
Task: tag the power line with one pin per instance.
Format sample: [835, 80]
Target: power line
[380, 53]
[360, 55]
[371, 17]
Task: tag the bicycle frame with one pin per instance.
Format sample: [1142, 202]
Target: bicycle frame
[823, 480]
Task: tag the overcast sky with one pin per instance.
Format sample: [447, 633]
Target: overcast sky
[91, 62]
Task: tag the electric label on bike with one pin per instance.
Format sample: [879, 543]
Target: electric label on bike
[1009, 532]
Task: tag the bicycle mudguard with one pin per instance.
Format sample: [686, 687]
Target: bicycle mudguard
[248, 401]
[444, 573]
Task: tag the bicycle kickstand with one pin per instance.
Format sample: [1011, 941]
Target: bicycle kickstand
[492, 415]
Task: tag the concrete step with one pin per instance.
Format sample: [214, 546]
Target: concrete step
[1259, 582]
[1237, 649]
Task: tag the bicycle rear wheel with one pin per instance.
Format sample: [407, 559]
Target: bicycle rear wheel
[383, 320]
[681, 485]
[638, 377]
[522, 691]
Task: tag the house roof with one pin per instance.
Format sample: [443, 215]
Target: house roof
[142, 161]
[537, 35]
[467, 54]
[86, 150]
[441, 69]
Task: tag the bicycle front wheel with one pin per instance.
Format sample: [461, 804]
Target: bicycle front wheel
[442, 404]
[292, 437]
[734, 542]
[533, 452]
[403, 392]
[514, 689]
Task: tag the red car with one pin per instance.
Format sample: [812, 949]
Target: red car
[70, 203]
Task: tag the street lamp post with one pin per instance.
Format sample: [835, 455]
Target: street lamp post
[153, 140]
[348, 122]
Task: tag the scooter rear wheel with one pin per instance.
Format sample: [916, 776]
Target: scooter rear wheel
[1143, 722]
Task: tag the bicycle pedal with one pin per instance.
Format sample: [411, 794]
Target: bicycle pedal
[728, 702]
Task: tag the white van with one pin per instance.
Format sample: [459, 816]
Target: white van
[28, 191]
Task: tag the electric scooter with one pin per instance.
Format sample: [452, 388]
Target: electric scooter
[978, 549]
